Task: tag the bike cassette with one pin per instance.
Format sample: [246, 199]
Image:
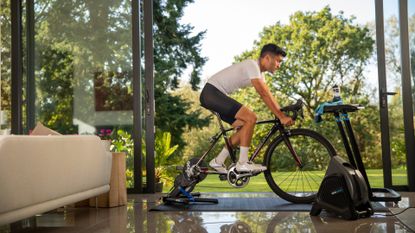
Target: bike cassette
[192, 170]
[236, 179]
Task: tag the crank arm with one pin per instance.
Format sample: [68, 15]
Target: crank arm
[213, 172]
[239, 176]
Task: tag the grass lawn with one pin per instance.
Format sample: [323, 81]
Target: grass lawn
[259, 184]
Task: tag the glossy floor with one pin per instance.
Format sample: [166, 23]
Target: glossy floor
[135, 217]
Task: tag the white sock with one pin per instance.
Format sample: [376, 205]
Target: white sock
[220, 159]
[243, 154]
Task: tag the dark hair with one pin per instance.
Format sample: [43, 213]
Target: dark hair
[272, 48]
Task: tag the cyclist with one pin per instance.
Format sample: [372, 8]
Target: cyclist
[214, 96]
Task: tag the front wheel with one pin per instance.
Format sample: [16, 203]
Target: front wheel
[289, 180]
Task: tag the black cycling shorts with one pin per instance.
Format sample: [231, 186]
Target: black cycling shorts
[213, 99]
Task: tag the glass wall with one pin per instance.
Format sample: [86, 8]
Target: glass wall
[5, 67]
[411, 29]
[315, 61]
[394, 84]
[83, 69]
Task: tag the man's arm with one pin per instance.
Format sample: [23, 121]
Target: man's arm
[269, 100]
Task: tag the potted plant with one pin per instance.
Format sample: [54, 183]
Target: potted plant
[163, 158]
[122, 141]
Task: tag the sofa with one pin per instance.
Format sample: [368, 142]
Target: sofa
[42, 173]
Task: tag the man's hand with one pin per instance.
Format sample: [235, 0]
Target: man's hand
[286, 121]
[269, 100]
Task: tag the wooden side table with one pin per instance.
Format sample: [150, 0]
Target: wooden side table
[117, 196]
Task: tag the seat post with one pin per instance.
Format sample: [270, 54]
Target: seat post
[220, 122]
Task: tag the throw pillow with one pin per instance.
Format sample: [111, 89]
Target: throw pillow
[40, 129]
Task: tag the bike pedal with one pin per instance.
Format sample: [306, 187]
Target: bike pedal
[223, 177]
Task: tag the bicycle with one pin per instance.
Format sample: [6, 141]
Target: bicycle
[298, 156]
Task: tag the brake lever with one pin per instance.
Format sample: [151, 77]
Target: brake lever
[296, 109]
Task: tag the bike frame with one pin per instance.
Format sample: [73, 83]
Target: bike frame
[276, 127]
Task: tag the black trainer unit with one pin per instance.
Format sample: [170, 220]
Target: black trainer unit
[343, 192]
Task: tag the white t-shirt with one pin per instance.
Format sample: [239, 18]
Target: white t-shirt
[236, 76]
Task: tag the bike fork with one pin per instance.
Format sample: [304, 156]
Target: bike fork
[290, 147]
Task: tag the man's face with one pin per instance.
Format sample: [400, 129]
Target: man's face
[273, 62]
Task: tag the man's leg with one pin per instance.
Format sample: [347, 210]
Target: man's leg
[246, 132]
[249, 119]
[244, 136]
[245, 123]
[237, 124]
[234, 139]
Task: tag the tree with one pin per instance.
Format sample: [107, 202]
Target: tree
[392, 52]
[174, 47]
[174, 51]
[55, 80]
[198, 138]
[93, 38]
[323, 49]
[393, 75]
[5, 47]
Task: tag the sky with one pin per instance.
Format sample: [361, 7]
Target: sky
[232, 26]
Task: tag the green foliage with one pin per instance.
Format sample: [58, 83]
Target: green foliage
[397, 131]
[5, 43]
[198, 138]
[323, 49]
[164, 157]
[95, 37]
[163, 148]
[121, 141]
[176, 48]
[55, 82]
[174, 116]
[92, 40]
[393, 68]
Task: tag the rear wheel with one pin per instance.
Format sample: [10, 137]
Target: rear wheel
[285, 177]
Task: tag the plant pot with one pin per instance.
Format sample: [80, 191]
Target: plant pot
[159, 187]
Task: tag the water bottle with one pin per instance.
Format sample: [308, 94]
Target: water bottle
[336, 93]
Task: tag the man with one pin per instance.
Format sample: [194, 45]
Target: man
[214, 96]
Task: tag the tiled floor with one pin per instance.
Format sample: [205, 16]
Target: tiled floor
[135, 217]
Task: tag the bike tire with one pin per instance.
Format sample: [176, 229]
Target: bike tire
[315, 152]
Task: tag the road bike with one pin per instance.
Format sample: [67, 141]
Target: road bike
[296, 161]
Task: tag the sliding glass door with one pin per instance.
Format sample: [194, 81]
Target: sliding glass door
[5, 67]
[83, 69]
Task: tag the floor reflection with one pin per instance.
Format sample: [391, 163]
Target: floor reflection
[272, 222]
[135, 217]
